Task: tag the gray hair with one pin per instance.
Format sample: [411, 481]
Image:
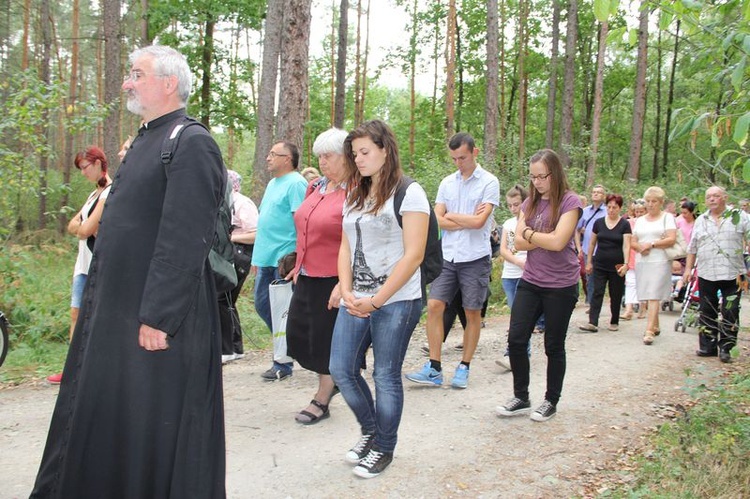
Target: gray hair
[330, 141]
[168, 62]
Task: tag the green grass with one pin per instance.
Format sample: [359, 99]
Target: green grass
[35, 280]
[704, 452]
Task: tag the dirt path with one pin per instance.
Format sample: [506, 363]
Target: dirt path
[451, 443]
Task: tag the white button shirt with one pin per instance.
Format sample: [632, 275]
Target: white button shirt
[464, 196]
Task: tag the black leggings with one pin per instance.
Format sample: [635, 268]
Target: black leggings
[557, 306]
[602, 278]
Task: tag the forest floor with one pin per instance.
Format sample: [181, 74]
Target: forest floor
[451, 443]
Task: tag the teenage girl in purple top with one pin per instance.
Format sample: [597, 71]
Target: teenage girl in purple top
[549, 284]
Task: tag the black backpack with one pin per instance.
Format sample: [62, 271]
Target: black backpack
[432, 264]
[221, 256]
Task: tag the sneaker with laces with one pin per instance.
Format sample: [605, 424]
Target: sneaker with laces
[426, 376]
[544, 411]
[276, 373]
[360, 450]
[460, 377]
[373, 464]
[514, 407]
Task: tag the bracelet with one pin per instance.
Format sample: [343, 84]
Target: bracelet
[532, 235]
[373, 304]
[524, 232]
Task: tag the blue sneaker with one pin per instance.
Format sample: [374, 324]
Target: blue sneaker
[427, 376]
[460, 377]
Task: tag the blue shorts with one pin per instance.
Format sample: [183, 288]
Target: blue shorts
[79, 282]
[473, 278]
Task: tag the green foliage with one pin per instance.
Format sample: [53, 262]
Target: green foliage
[704, 452]
[27, 108]
[35, 280]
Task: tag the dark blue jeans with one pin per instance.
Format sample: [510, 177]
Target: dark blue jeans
[388, 331]
[557, 306]
[718, 333]
[263, 279]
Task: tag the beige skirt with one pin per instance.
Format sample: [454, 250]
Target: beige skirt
[653, 280]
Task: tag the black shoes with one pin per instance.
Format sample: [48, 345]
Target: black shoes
[373, 464]
[703, 353]
[725, 356]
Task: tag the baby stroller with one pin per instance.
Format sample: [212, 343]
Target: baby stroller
[690, 304]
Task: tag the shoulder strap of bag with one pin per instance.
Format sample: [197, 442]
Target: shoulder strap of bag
[398, 197]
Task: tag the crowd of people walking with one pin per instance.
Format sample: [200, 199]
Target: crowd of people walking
[356, 237]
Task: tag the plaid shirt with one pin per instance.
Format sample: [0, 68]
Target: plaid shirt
[719, 246]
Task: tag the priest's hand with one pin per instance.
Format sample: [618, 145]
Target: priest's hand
[152, 339]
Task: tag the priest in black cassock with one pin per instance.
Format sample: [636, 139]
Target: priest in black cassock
[140, 410]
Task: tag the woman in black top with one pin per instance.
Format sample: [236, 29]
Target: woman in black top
[611, 238]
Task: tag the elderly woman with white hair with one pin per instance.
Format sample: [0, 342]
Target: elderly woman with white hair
[313, 310]
[653, 232]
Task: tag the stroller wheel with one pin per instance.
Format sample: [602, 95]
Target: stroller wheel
[677, 325]
[671, 306]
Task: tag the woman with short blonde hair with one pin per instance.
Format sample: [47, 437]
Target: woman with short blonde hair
[652, 233]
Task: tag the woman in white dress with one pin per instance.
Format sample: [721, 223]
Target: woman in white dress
[653, 232]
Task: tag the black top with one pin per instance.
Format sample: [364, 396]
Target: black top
[608, 252]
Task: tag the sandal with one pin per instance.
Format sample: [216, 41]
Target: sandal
[311, 418]
[648, 338]
[657, 332]
[627, 316]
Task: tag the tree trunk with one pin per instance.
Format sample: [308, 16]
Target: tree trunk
[639, 99]
[412, 81]
[657, 119]
[549, 141]
[44, 76]
[293, 102]
[357, 63]
[25, 38]
[670, 96]
[113, 75]
[492, 83]
[568, 101]
[450, 70]
[598, 91]
[62, 219]
[363, 91]
[264, 136]
[522, 81]
[145, 38]
[207, 52]
[502, 77]
[339, 109]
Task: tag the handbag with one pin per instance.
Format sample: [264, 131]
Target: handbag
[280, 296]
[678, 250]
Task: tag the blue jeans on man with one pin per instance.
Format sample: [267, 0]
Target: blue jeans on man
[388, 332]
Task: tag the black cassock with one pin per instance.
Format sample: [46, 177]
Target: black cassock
[129, 423]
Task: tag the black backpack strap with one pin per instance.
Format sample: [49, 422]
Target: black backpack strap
[169, 146]
[398, 197]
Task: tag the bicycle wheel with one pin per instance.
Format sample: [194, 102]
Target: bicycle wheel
[3, 338]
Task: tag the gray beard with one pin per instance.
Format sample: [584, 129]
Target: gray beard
[134, 106]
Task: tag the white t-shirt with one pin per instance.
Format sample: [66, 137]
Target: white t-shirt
[648, 232]
[376, 244]
[511, 270]
[83, 262]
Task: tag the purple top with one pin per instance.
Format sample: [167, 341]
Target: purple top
[552, 269]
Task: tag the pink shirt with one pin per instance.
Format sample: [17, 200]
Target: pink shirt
[318, 223]
[686, 227]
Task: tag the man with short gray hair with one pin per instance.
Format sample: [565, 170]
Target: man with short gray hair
[140, 410]
[717, 244]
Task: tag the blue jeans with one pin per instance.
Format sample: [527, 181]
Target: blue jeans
[388, 331]
[263, 279]
[531, 301]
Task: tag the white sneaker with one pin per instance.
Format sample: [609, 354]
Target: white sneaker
[228, 358]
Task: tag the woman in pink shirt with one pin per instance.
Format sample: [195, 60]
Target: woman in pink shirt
[314, 306]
